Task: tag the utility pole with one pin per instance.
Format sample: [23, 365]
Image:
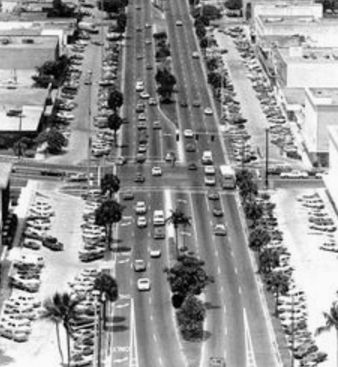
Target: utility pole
[20, 130]
[267, 158]
[292, 330]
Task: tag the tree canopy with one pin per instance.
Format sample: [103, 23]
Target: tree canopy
[187, 276]
[115, 100]
[54, 139]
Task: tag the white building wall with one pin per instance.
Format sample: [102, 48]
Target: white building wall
[310, 124]
[287, 9]
[333, 157]
[327, 116]
[312, 75]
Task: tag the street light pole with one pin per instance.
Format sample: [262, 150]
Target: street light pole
[20, 130]
[266, 158]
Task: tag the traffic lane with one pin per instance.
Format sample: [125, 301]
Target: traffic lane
[214, 294]
[148, 343]
[262, 344]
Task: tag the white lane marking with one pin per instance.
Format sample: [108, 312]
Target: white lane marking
[239, 289]
[236, 270]
[218, 270]
[224, 309]
[155, 337]
[120, 360]
[249, 351]
[123, 305]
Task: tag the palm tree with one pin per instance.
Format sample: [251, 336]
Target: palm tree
[278, 283]
[61, 308]
[114, 123]
[108, 213]
[331, 321]
[178, 218]
[115, 100]
[108, 287]
[258, 238]
[268, 259]
[110, 183]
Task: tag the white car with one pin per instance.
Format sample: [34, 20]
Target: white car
[140, 207]
[156, 171]
[139, 265]
[209, 170]
[208, 111]
[141, 221]
[188, 133]
[209, 180]
[152, 101]
[195, 55]
[144, 95]
[155, 252]
[142, 117]
[220, 230]
[294, 174]
[179, 23]
[139, 86]
[143, 284]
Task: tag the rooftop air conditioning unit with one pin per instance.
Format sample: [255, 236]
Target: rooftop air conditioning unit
[28, 40]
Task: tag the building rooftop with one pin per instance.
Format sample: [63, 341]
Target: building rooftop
[283, 40]
[287, 20]
[294, 96]
[28, 41]
[5, 172]
[323, 96]
[308, 54]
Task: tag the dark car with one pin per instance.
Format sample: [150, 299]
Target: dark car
[217, 211]
[192, 167]
[139, 178]
[213, 195]
[183, 104]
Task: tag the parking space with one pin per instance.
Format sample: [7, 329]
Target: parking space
[308, 223]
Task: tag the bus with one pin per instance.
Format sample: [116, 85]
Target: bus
[228, 176]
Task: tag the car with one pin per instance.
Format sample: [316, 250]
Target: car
[149, 67]
[138, 29]
[77, 177]
[139, 57]
[169, 156]
[147, 25]
[52, 243]
[157, 125]
[139, 265]
[142, 117]
[209, 170]
[127, 195]
[140, 207]
[217, 212]
[159, 233]
[188, 133]
[140, 107]
[158, 218]
[156, 171]
[142, 148]
[141, 221]
[179, 23]
[120, 160]
[213, 195]
[207, 157]
[220, 230]
[208, 111]
[144, 95]
[192, 166]
[139, 86]
[216, 362]
[155, 252]
[195, 55]
[141, 125]
[148, 41]
[139, 178]
[196, 103]
[143, 284]
[209, 180]
[140, 158]
[294, 174]
[183, 104]
[190, 147]
[152, 101]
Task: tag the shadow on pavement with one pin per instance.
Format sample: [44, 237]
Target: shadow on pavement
[119, 328]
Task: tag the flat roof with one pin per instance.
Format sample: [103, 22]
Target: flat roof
[294, 96]
[283, 40]
[288, 19]
[28, 41]
[310, 54]
[323, 96]
[5, 172]
[22, 96]
[31, 116]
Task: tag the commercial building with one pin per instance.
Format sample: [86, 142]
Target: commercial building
[287, 8]
[27, 52]
[22, 110]
[304, 66]
[320, 113]
[319, 32]
[330, 179]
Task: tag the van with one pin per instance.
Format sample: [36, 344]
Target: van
[207, 157]
[158, 218]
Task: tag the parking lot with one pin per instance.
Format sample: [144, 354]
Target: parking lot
[316, 268]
